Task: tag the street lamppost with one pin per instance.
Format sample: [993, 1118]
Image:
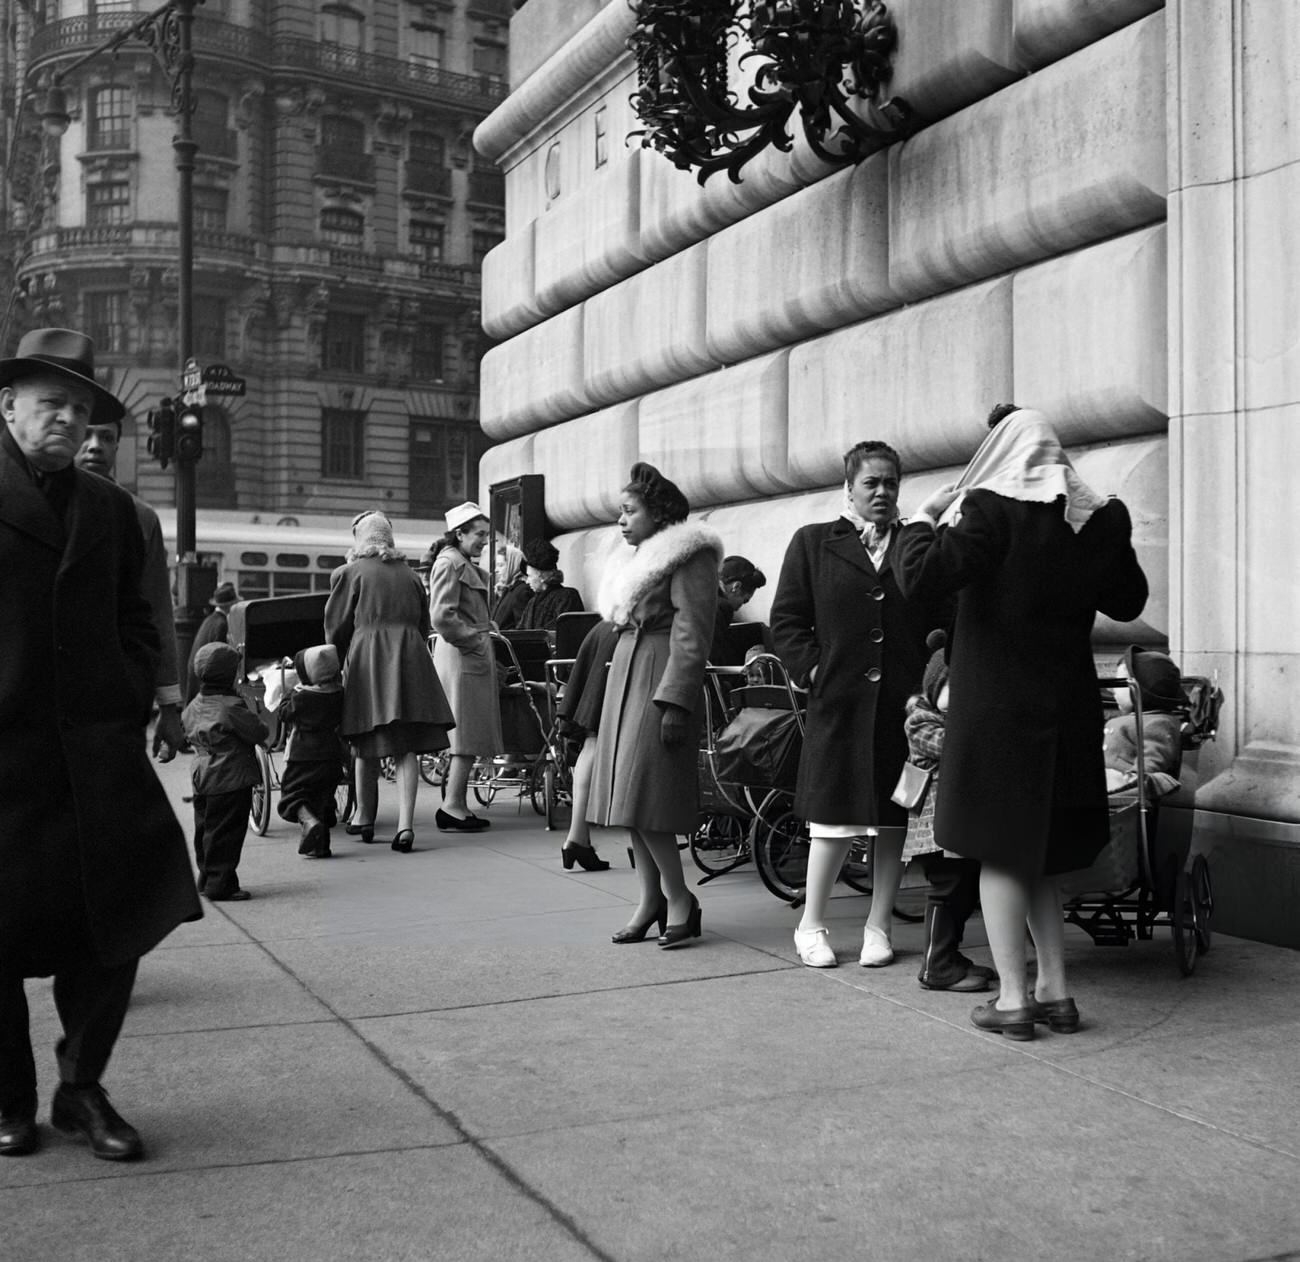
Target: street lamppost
[168, 31]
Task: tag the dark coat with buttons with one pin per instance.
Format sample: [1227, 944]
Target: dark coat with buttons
[93, 864]
[835, 611]
[1022, 784]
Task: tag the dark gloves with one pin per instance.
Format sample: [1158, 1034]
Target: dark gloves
[672, 725]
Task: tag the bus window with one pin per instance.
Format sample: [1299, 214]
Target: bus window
[287, 584]
[320, 582]
[328, 562]
[252, 558]
[292, 560]
[254, 584]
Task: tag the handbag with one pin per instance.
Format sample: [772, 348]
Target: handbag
[910, 790]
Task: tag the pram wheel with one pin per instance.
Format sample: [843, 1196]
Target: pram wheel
[433, 770]
[556, 794]
[259, 815]
[345, 796]
[1185, 918]
[1203, 897]
[720, 844]
[781, 855]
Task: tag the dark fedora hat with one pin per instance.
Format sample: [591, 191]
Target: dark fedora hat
[68, 354]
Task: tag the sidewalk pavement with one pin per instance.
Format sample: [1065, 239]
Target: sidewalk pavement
[441, 1056]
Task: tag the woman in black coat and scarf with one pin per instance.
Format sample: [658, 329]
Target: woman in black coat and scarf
[845, 632]
[1032, 554]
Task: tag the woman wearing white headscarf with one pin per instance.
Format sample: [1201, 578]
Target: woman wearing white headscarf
[393, 705]
[1032, 554]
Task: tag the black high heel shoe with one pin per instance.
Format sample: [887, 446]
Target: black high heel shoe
[365, 831]
[403, 842]
[636, 932]
[585, 857]
[680, 935]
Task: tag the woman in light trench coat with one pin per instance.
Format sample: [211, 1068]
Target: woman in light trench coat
[463, 657]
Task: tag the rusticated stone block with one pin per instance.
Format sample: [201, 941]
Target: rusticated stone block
[1089, 337]
[534, 379]
[814, 261]
[921, 379]
[1047, 30]
[588, 460]
[590, 241]
[542, 27]
[951, 55]
[647, 331]
[509, 302]
[503, 462]
[721, 436]
[1271, 270]
[1030, 172]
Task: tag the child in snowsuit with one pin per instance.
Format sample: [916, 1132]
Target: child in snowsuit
[315, 752]
[954, 881]
[1161, 689]
[223, 730]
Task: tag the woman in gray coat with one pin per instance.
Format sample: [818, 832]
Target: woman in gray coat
[458, 596]
[393, 706]
[662, 602]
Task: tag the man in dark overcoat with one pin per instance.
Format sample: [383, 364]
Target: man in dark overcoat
[93, 866]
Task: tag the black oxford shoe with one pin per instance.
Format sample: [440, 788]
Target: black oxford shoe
[85, 1113]
[18, 1135]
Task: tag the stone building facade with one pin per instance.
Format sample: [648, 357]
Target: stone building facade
[340, 218]
[1090, 220]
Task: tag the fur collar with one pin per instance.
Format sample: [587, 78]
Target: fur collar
[625, 584]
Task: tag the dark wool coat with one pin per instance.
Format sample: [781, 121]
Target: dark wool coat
[510, 604]
[833, 610]
[93, 864]
[214, 629]
[662, 602]
[1022, 784]
[377, 618]
[463, 654]
[546, 606]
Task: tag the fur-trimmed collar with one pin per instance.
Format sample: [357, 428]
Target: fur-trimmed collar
[625, 584]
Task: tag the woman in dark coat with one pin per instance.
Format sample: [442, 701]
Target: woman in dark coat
[464, 658]
[645, 774]
[738, 579]
[393, 705]
[1032, 555]
[845, 632]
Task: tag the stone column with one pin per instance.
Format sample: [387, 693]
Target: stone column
[1234, 429]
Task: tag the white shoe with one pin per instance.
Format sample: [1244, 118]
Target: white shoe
[876, 950]
[814, 947]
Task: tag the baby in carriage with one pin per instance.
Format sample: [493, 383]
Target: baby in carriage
[1160, 686]
[315, 753]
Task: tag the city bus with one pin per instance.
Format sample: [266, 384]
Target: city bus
[268, 554]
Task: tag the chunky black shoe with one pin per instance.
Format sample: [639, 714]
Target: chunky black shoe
[1061, 1016]
[637, 930]
[585, 857]
[85, 1113]
[452, 824]
[680, 935]
[1014, 1023]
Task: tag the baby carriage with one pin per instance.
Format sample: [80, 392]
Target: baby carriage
[1136, 883]
[266, 634]
[748, 763]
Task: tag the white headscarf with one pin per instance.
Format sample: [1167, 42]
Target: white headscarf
[1023, 459]
[372, 535]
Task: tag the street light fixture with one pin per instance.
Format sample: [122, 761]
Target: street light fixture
[168, 31]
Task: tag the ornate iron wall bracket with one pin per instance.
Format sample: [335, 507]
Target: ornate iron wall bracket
[827, 58]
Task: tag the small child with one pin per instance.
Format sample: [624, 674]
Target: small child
[954, 880]
[223, 730]
[1161, 689]
[315, 753]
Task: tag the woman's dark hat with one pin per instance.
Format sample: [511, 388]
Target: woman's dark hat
[936, 669]
[1157, 678]
[541, 554]
[68, 354]
[663, 497]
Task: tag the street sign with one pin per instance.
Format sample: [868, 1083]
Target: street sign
[192, 376]
[195, 398]
[218, 379]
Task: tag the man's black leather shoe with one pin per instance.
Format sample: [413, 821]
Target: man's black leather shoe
[18, 1135]
[85, 1113]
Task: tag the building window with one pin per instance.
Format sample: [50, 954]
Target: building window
[602, 141]
[110, 119]
[426, 45]
[343, 342]
[426, 352]
[342, 435]
[343, 228]
[443, 458]
[343, 135]
[481, 243]
[426, 240]
[210, 205]
[209, 328]
[489, 60]
[106, 321]
[108, 203]
[341, 25]
[427, 149]
[210, 127]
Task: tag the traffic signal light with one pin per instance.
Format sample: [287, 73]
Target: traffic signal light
[189, 433]
[162, 432]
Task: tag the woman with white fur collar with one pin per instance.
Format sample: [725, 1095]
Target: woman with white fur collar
[645, 778]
